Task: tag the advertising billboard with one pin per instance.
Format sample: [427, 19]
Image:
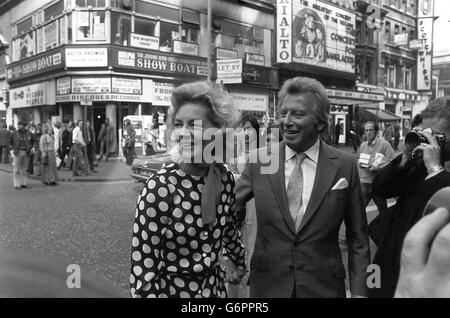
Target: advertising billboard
[316, 33]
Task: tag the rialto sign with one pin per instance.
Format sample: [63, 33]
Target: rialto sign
[316, 32]
[284, 36]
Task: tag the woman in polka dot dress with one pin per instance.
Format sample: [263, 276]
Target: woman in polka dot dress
[185, 215]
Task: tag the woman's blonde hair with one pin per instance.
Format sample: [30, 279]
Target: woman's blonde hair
[221, 110]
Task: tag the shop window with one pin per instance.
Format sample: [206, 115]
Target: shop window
[51, 35]
[144, 26]
[120, 28]
[168, 33]
[91, 25]
[90, 3]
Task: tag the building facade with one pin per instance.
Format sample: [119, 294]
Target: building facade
[97, 59]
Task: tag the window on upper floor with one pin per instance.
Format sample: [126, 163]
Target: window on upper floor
[407, 71]
[390, 76]
[387, 32]
[145, 26]
[90, 3]
[168, 33]
[120, 28]
[240, 38]
[91, 25]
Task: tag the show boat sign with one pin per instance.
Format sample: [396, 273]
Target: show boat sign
[157, 62]
[44, 63]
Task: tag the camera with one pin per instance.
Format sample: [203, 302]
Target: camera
[413, 139]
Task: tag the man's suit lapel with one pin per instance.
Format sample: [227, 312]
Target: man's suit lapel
[277, 181]
[327, 168]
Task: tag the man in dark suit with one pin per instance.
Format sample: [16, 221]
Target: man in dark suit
[89, 137]
[302, 205]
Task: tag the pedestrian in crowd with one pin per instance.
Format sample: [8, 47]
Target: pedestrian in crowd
[78, 145]
[32, 131]
[354, 136]
[337, 131]
[379, 153]
[388, 134]
[66, 142]
[89, 137]
[396, 137]
[185, 215]
[57, 135]
[106, 138]
[48, 157]
[71, 126]
[130, 139]
[21, 142]
[4, 139]
[413, 179]
[37, 153]
[301, 206]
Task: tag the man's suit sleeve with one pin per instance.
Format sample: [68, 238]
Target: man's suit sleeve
[357, 238]
[244, 192]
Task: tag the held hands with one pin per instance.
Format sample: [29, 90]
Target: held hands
[425, 260]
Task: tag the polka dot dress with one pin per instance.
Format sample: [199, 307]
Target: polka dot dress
[173, 254]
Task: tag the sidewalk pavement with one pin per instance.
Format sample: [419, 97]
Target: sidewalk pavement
[113, 170]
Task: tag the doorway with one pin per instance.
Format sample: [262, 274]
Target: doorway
[99, 116]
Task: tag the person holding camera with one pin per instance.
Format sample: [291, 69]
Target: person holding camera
[413, 177]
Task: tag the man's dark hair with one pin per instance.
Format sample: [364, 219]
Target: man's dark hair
[417, 121]
[438, 108]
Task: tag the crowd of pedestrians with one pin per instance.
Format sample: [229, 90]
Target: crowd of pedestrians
[45, 148]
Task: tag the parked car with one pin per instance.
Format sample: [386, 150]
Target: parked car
[144, 167]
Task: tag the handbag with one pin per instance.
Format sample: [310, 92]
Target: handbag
[45, 160]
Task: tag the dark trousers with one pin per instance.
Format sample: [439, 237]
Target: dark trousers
[62, 155]
[4, 154]
[381, 203]
[128, 152]
[90, 154]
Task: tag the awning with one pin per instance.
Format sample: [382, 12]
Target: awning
[190, 17]
[383, 115]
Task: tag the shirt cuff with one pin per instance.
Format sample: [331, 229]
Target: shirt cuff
[433, 174]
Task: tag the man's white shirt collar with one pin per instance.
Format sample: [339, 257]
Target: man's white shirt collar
[312, 153]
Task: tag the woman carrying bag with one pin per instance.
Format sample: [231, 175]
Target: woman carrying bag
[48, 158]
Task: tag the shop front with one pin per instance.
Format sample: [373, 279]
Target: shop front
[34, 103]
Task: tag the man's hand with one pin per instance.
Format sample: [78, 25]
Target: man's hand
[425, 260]
[431, 151]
